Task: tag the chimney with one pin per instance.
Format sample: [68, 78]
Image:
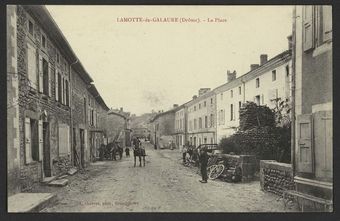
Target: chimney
[231, 75]
[290, 42]
[175, 105]
[254, 66]
[263, 58]
[202, 91]
[194, 97]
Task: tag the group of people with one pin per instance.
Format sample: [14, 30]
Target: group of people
[199, 156]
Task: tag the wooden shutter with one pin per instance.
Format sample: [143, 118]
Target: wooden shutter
[304, 144]
[49, 79]
[327, 22]
[323, 139]
[41, 83]
[28, 151]
[41, 139]
[56, 85]
[62, 90]
[308, 27]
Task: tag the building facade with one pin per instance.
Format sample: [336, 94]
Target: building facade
[181, 126]
[42, 106]
[201, 118]
[264, 84]
[163, 127]
[313, 99]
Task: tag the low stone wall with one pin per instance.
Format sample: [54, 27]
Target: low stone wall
[245, 162]
[61, 165]
[276, 177]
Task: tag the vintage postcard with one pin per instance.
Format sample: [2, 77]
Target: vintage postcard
[121, 108]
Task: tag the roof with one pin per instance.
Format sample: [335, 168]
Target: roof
[117, 114]
[44, 18]
[199, 98]
[164, 113]
[273, 62]
[93, 90]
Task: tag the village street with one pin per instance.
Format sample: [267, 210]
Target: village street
[163, 185]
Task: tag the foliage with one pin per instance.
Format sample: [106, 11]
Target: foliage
[253, 115]
[259, 135]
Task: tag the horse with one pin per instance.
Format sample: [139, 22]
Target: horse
[139, 152]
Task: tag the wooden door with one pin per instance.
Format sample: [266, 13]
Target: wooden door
[304, 143]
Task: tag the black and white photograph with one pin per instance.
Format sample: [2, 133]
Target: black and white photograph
[169, 108]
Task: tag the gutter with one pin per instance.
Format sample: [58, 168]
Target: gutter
[292, 142]
[71, 115]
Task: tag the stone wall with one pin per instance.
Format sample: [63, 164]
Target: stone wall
[245, 162]
[276, 177]
[34, 103]
[13, 145]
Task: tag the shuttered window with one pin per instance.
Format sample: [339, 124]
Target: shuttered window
[327, 22]
[56, 85]
[33, 140]
[32, 65]
[64, 141]
[308, 27]
[304, 143]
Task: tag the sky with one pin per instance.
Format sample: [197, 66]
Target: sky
[144, 66]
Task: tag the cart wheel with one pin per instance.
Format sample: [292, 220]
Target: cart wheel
[216, 171]
[210, 168]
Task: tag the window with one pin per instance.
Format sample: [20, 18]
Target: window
[274, 75]
[257, 99]
[43, 41]
[58, 58]
[287, 70]
[195, 124]
[200, 123]
[205, 104]
[211, 101]
[92, 115]
[67, 93]
[45, 76]
[85, 113]
[194, 108]
[59, 88]
[239, 90]
[206, 121]
[221, 96]
[231, 112]
[221, 117]
[30, 28]
[199, 106]
[205, 140]
[231, 93]
[33, 129]
[211, 120]
[32, 65]
[308, 27]
[327, 22]
[257, 81]
[64, 143]
[239, 105]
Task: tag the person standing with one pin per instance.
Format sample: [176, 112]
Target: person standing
[127, 152]
[203, 158]
[184, 152]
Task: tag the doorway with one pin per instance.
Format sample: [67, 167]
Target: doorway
[82, 148]
[46, 150]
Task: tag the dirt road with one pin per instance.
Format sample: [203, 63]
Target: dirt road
[163, 185]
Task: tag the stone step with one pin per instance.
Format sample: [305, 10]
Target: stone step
[30, 202]
[59, 183]
[62, 177]
[72, 171]
[46, 180]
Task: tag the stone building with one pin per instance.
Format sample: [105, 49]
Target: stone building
[42, 76]
[264, 84]
[163, 127]
[118, 127]
[201, 118]
[312, 146]
[181, 126]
